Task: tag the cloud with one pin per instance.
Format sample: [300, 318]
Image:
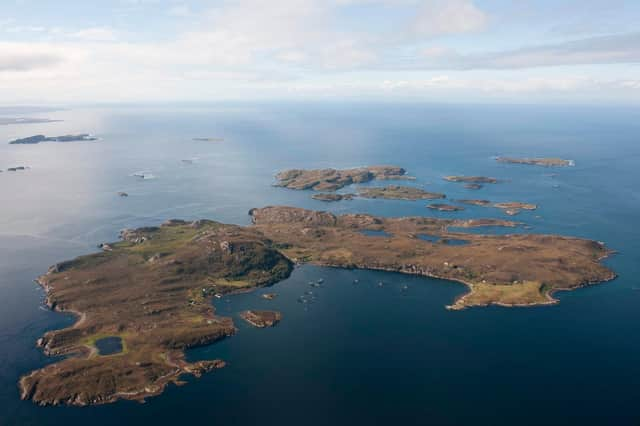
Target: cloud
[180, 11]
[614, 49]
[441, 17]
[492, 85]
[95, 34]
[25, 61]
[242, 48]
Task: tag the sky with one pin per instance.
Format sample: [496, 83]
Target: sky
[79, 51]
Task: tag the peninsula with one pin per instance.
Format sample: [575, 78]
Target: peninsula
[510, 270]
[545, 162]
[261, 319]
[152, 289]
[334, 179]
[42, 138]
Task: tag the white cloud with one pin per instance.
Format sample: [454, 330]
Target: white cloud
[18, 59]
[95, 34]
[180, 11]
[616, 49]
[292, 46]
[441, 17]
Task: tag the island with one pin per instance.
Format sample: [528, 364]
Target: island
[42, 138]
[471, 179]
[151, 291]
[545, 162]
[513, 208]
[334, 179]
[261, 319]
[208, 139]
[473, 186]
[397, 192]
[481, 203]
[444, 207]
[331, 197]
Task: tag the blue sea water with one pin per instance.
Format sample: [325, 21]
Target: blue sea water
[355, 353]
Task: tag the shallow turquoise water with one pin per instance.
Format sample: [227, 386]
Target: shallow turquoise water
[359, 353]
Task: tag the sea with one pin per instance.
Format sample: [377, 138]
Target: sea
[365, 347]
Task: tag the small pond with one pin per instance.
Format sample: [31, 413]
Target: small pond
[109, 345]
[371, 233]
[449, 241]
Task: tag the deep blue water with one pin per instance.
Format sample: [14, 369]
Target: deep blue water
[356, 353]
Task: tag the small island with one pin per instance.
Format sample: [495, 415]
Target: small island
[444, 207]
[208, 139]
[31, 140]
[471, 179]
[397, 192]
[481, 203]
[261, 319]
[334, 179]
[151, 292]
[513, 208]
[332, 197]
[545, 162]
[474, 186]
